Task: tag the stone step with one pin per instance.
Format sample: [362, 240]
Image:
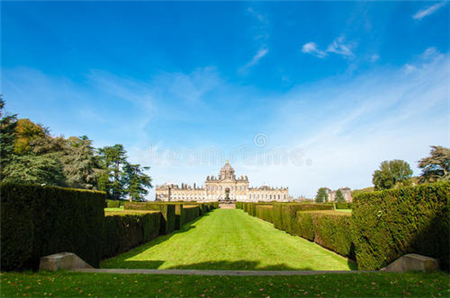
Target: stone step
[62, 261]
[412, 262]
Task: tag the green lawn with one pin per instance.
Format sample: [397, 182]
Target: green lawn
[114, 209]
[344, 210]
[66, 284]
[230, 240]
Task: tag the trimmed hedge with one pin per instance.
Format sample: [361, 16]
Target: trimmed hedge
[388, 224]
[330, 229]
[167, 210]
[343, 205]
[238, 205]
[124, 232]
[180, 216]
[264, 212]
[112, 204]
[285, 215]
[39, 220]
[191, 212]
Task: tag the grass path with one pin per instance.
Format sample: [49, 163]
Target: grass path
[229, 240]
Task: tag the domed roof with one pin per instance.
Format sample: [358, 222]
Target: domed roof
[227, 168]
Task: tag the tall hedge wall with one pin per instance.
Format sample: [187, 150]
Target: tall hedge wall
[167, 210]
[285, 215]
[264, 212]
[192, 212]
[330, 229]
[37, 221]
[388, 224]
[180, 216]
[123, 232]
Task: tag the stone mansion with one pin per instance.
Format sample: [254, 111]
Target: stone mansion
[226, 185]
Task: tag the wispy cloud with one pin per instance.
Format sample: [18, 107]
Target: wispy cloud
[338, 46]
[258, 56]
[311, 48]
[428, 10]
[346, 129]
[261, 37]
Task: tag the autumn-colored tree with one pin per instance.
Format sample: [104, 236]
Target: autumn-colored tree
[26, 132]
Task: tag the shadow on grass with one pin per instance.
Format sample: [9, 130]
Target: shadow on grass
[211, 265]
[236, 265]
[121, 258]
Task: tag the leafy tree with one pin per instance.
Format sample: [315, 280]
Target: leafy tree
[339, 197]
[112, 160]
[393, 173]
[81, 166]
[136, 181]
[322, 195]
[436, 167]
[27, 131]
[34, 170]
[8, 125]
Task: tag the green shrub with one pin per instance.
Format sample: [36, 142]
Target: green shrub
[388, 224]
[112, 204]
[343, 205]
[167, 210]
[37, 221]
[203, 209]
[238, 205]
[180, 216]
[124, 232]
[285, 215]
[191, 212]
[264, 212]
[277, 216]
[305, 225]
[332, 230]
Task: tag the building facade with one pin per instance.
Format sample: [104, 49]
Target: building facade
[225, 185]
[347, 192]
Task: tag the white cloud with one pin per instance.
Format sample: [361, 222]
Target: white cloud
[258, 56]
[339, 47]
[311, 48]
[257, 15]
[374, 58]
[428, 11]
[262, 36]
[348, 128]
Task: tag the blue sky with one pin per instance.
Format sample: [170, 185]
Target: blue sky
[297, 94]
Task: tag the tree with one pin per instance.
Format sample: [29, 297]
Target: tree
[8, 125]
[112, 160]
[339, 197]
[392, 174]
[31, 169]
[322, 195]
[81, 166]
[27, 131]
[136, 181]
[436, 167]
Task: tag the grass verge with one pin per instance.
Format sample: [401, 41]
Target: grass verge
[71, 284]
